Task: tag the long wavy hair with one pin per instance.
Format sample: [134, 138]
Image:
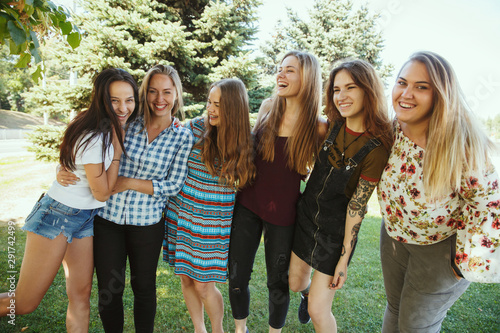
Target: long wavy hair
[99, 119]
[456, 146]
[302, 145]
[177, 109]
[227, 149]
[375, 117]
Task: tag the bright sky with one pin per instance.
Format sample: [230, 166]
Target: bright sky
[466, 33]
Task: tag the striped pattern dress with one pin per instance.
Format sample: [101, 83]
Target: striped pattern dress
[198, 221]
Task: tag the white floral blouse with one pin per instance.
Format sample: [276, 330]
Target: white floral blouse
[410, 218]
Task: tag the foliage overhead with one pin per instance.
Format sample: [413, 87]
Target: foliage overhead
[13, 82]
[23, 23]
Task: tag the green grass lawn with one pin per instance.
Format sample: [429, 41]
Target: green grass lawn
[358, 307]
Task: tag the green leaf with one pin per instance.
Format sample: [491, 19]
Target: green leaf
[17, 34]
[29, 10]
[34, 52]
[29, 2]
[24, 60]
[37, 74]
[54, 19]
[74, 39]
[34, 38]
[16, 49]
[66, 27]
[3, 28]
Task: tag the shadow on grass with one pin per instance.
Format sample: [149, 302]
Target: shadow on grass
[358, 307]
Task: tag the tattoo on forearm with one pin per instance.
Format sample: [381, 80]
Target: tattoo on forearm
[341, 274]
[357, 204]
[343, 251]
[354, 233]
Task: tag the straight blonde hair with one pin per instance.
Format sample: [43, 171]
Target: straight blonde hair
[303, 144]
[143, 92]
[456, 145]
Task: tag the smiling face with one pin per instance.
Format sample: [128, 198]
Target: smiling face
[122, 98]
[413, 95]
[288, 78]
[348, 98]
[213, 106]
[161, 95]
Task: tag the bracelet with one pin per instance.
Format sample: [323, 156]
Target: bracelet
[116, 160]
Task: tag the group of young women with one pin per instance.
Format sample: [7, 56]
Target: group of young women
[225, 186]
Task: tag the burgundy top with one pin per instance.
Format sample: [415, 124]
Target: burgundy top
[275, 190]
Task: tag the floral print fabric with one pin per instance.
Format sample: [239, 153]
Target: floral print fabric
[409, 216]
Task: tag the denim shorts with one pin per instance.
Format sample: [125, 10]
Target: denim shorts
[49, 218]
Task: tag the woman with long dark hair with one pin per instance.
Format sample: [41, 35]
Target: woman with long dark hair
[60, 226]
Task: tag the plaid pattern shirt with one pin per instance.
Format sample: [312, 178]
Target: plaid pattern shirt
[164, 161]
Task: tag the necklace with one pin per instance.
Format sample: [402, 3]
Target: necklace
[344, 146]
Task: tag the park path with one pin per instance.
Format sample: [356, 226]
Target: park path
[22, 180]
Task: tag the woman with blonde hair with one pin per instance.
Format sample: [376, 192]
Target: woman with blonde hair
[333, 205]
[199, 218]
[288, 132]
[438, 177]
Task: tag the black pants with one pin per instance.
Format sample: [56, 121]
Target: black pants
[113, 243]
[246, 232]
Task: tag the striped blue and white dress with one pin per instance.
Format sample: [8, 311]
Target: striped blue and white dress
[198, 221]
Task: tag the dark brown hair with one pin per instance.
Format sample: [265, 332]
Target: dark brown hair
[376, 120]
[98, 119]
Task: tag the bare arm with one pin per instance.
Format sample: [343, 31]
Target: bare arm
[355, 213]
[102, 183]
[140, 185]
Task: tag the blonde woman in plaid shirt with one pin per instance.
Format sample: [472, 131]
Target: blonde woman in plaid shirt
[131, 224]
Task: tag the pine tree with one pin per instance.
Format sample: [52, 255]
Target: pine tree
[333, 31]
[203, 40]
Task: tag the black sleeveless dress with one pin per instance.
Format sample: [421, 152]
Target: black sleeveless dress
[321, 210]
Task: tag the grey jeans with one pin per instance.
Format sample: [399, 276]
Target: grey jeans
[419, 283]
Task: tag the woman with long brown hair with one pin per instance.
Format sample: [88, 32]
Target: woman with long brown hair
[199, 218]
[288, 132]
[60, 226]
[332, 207]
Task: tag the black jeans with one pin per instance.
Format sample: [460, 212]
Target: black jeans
[246, 232]
[113, 243]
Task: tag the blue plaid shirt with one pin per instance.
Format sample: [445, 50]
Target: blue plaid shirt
[164, 161]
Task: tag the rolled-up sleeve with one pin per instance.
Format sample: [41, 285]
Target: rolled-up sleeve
[177, 173]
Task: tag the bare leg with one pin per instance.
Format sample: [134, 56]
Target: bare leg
[299, 276]
[274, 330]
[193, 303]
[240, 325]
[42, 259]
[320, 303]
[79, 268]
[213, 302]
